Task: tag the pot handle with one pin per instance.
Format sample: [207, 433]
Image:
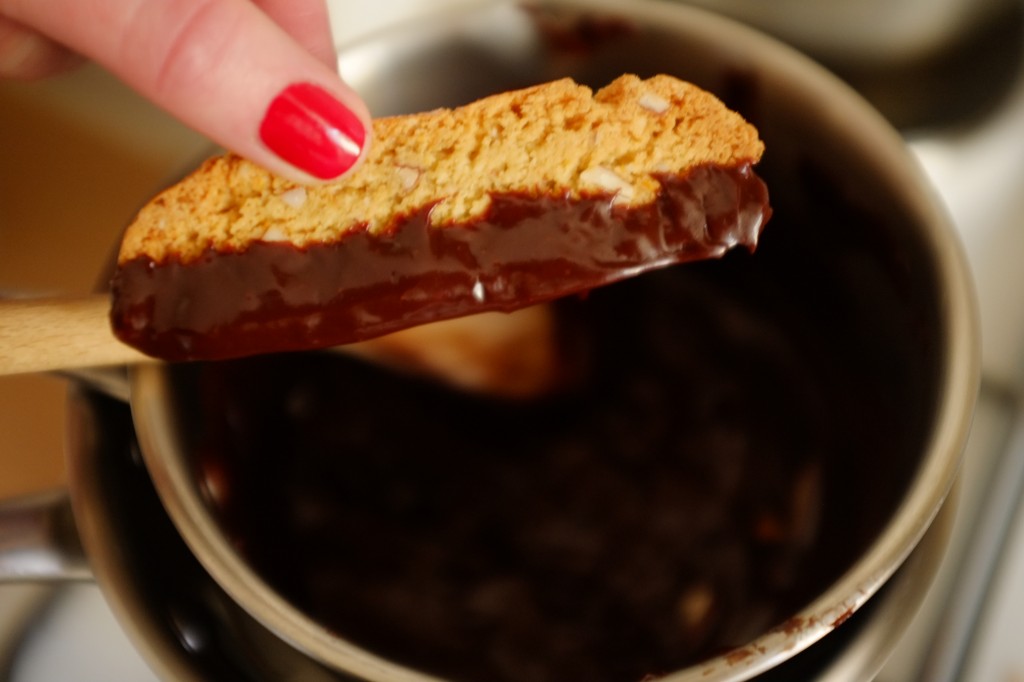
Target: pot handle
[39, 541]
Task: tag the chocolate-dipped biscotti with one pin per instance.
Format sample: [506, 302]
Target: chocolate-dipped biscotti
[515, 199]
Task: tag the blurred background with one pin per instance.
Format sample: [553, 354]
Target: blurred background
[80, 152]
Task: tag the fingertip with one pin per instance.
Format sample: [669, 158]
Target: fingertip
[269, 160]
[319, 135]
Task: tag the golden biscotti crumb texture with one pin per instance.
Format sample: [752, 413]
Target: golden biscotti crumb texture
[556, 139]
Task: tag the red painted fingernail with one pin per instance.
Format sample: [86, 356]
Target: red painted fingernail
[310, 129]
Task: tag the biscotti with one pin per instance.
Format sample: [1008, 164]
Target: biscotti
[511, 200]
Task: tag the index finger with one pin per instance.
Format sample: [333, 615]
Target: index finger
[223, 67]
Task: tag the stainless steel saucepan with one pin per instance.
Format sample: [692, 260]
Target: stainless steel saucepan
[894, 259]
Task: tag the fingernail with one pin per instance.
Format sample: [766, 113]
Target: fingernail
[310, 129]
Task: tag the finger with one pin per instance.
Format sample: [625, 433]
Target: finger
[307, 22]
[223, 67]
[27, 55]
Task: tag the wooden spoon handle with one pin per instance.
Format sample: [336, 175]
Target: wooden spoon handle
[512, 355]
[47, 334]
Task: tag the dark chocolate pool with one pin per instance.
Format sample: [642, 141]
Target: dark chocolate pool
[712, 472]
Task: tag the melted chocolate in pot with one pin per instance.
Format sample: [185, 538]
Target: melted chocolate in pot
[718, 467]
[658, 514]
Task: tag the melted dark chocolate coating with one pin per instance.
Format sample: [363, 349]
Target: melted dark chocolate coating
[276, 297]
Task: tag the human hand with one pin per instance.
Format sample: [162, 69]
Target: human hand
[256, 76]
